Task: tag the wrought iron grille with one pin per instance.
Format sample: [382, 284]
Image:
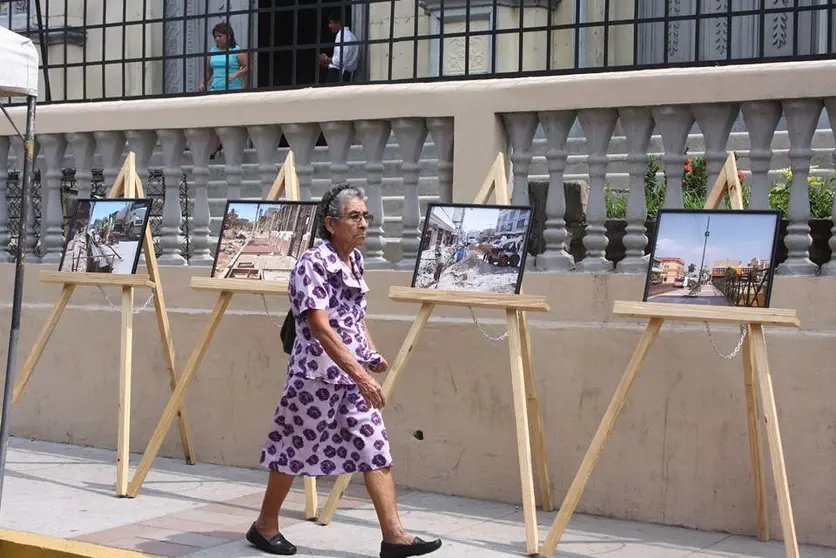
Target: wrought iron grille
[101, 49]
[154, 189]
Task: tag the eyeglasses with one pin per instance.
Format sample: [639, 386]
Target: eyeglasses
[355, 217]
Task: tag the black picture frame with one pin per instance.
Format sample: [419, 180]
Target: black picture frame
[91, 204]
[526, 238]
[769, 276]
[314, 224]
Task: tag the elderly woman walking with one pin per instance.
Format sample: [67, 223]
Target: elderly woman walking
[328, 421]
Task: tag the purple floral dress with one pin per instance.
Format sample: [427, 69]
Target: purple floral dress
[322, 425]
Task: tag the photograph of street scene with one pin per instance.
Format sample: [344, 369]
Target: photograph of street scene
[261, 240]
[717, 258]
[105, 236]
[473, 248]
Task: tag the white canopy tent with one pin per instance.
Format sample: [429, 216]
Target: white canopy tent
[18, 78]
[18, 65]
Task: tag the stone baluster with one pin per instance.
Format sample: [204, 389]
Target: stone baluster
[520, 127]
[142, 143]
[411, 134]
[802, 117]
[374, 135]
[674, 123]
[266, 141]
[302, 140]
[441, 132]
[234, 140]
[761, 119]
[338, 136]
[829, 268]
[83, 147]
[5, 234]
[598, 126]
[638, 125]
[198, 140]
[556, 126]
[715, 121]
[110, 146]
[173, 143]
[52, 213]
[30, 242]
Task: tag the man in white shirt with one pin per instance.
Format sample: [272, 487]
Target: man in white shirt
[342, 65]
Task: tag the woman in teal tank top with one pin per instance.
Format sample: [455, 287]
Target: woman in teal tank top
[226, 68]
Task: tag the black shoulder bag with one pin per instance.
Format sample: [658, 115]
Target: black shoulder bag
[288, 332]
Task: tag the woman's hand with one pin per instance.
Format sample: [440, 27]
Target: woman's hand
[371, 391]
[379, 367]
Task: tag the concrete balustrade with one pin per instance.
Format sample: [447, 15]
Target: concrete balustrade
[680, 453]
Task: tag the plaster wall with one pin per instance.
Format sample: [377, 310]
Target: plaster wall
[679, 454]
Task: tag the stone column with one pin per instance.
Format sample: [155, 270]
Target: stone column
[520, 128]
[638, 125]
[234, 140]
[338, 136]
[198, 140]
[266, 141]
[715, 121]
[52, 211]
[598, 126]
[411, 134]
[142, 143]
[802, 117]
[302, 140]
[761, 118]
[83, 147]
[441, 132]
[556, 125]
[674, 123]
[173, 143]
[374, 135]
[5, 235]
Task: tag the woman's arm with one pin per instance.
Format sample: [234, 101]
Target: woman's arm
[369, 337]
[208, 78]
[242, 73]
[339, 353]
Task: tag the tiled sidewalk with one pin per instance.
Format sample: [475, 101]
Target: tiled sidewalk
[203, 511]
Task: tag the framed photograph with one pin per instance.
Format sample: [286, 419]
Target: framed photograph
[105, 236]
[713, 257]
[480, 248]
[262, 240]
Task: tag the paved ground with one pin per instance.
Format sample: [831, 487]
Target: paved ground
[202, 511]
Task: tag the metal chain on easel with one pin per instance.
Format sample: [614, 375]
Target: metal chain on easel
[736, 350]
[485, 333]
[269, 316]
[113, 306]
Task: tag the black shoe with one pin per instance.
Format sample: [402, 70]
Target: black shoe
[276, 545]
[417, 548]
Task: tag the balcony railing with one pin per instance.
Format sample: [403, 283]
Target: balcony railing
[100, 50]
[597, 156]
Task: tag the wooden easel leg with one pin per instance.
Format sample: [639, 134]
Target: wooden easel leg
[165, 329]
[755, 443]
[404, 353]
[311, 498]
[124, 444]
[38, 350]
[175, 402]
[535, 418]
[776, 451]
[523, 440]
[573, 496]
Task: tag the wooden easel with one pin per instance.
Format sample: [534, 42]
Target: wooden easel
[526, 404]
[756, 377]
[286, 180]
[127, 185]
